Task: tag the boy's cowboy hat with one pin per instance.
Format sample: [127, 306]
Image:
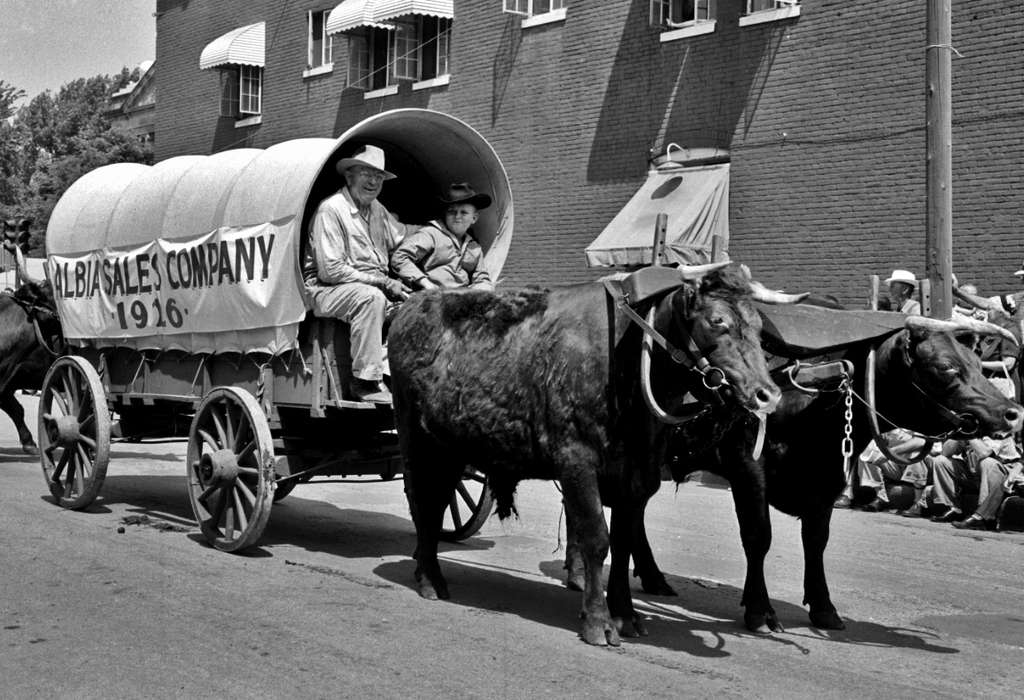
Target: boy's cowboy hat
[462, 193]
[368, 156]
[904, 276]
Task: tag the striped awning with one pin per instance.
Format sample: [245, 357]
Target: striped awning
[241, 46]
[390, 9]
[353, 14]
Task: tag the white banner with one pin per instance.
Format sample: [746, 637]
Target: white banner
[230, 279]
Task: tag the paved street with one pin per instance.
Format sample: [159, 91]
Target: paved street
[324, 608]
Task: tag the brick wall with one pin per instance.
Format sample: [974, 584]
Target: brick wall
[824, 116]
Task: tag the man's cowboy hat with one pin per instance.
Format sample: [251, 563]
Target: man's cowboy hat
[904, 276]
[462, 193]
[368, 156]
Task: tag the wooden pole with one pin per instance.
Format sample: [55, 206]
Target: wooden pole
[939, 223]
[660, 226]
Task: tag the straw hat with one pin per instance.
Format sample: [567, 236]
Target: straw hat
[904, 276]
[368, 156]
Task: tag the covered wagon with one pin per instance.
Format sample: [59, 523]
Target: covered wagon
[179, 290]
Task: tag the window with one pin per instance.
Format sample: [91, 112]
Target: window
[320, 43]
[416, 49]
[762, 5]
[241, 91]
[529, 8]
[250, 93]
[672, 14]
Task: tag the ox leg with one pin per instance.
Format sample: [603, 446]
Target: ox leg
[620, 601]
[10, 405]
[575, 577]
[814, 530]
[583, 507]
[429, 484]
[756, 533]
[644, 567]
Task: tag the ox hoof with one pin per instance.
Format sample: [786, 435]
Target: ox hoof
[600, 633]
[431, 590]
[30, 448]
[827, 620]
[634, 628]
[762, 623]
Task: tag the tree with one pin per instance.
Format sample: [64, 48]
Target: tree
[55, 139]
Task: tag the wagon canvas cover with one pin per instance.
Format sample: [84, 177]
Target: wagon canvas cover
[229, 279]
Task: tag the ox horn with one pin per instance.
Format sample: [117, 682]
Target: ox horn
[694, 272]
[959, 325]
[22, 268]
[771, 296]
[975, 300]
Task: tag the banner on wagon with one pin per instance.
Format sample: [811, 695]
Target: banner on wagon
[230, 279]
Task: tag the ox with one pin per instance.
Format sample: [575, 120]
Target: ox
[924, 380]
[520, 384]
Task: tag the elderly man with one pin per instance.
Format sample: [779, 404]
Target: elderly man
[902, 285]
[345, 268]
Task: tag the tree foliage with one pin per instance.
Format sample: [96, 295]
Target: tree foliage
[53, 140]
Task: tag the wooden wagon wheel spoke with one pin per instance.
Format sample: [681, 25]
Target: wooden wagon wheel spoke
[70, 476]
[222, 438]
[231, 452]
[87, 422]
[239, 510]
[88, 441]
[61, 465]
[208, 440]
[59, 400]
[250, 497]
[454, 508]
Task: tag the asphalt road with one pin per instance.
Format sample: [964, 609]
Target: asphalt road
[324, 606]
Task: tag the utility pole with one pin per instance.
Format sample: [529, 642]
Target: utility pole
[939, 223]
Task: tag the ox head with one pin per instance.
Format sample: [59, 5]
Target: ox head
[713, 320]
[938, 382]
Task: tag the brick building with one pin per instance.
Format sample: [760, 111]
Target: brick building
[819, 107]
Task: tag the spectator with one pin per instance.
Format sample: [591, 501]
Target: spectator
[875, 470]
[444, 253]
[346, 266]
[902, 285]
[983, 466]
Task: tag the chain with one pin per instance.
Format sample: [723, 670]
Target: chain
[847, 444]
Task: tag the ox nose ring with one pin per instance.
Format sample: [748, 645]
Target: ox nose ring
[968, 424]
[713, 378]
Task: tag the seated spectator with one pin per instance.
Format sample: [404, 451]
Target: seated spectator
[875, 470]
[983, 466]
[444, 253]
[902, 285]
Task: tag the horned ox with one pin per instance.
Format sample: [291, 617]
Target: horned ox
[27, 316]
[517, 384]
[924, 380]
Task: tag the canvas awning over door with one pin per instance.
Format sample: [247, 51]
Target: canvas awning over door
[243, 46]
[389, 9]
[696, 201]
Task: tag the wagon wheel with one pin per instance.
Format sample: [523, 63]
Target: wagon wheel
[74, 432]
[469, 508]
[230, 462]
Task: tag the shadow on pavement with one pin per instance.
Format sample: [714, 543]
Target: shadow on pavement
[699, 622]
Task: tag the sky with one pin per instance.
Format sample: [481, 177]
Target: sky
[47, 43]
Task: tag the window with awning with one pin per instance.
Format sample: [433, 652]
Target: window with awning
[696, 202]
[239, 57]
[394, 40]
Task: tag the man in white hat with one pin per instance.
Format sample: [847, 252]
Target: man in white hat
[902, 284]
[345, 266]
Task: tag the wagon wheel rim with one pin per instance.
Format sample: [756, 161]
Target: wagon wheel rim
[230, 463]
[74, 432]
[470, 505]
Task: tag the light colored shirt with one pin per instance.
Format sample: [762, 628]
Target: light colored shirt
[435, 252]
[345, 247]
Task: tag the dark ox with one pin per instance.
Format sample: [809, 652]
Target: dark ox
[516, 384]
[26, 315]
[925, 380]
